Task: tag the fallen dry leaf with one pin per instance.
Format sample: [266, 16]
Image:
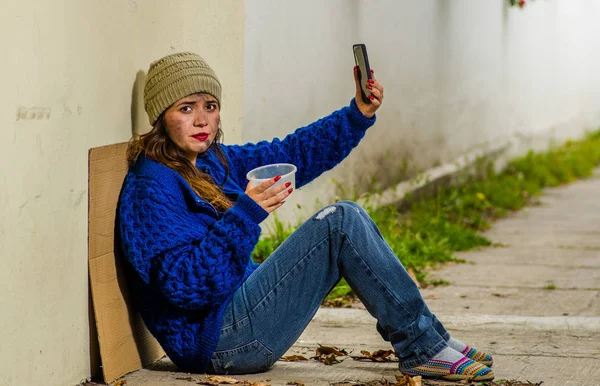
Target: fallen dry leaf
[329, 360]
[327, 355]
[377, 382]
[214, 380]
[295, 383]
[414, 381]
[376, 356]
[406, 380]
[120, 382]
[341, 302]
[294, 358]
[326, 350]
[218, 380]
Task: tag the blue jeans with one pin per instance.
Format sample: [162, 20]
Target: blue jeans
[275, 304]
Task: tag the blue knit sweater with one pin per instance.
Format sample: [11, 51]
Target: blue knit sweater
[185, 258]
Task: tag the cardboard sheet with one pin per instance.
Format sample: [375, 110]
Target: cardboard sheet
[125, 343]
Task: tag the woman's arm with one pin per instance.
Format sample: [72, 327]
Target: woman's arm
[314, 149]
[317, 147]
[194, 264]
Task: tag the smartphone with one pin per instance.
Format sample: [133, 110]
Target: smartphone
[364, 71]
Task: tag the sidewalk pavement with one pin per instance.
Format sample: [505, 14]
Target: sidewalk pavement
[534, 304]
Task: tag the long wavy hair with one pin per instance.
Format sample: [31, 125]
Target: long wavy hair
[157, 146]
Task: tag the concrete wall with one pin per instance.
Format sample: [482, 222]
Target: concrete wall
[459, 75]
[68, 72]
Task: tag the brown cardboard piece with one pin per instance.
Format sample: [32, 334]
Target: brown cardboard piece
[125, 343]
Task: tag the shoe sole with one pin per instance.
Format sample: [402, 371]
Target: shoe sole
[454, 377]
[487, 363]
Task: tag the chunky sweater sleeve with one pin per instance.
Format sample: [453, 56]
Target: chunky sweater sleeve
[314, 149]
[193, 263]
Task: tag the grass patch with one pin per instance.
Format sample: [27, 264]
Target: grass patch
[267, 244]
[431, 229]
[550, 287]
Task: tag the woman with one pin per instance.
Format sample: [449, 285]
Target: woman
[188, 223]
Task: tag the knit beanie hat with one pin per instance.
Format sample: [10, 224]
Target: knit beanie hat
[174, 77]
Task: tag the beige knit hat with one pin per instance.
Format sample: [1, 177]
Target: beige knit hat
[174, 77]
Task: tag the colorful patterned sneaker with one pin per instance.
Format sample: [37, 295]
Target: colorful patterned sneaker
[471, 352]
[443, 366]
[478, 356]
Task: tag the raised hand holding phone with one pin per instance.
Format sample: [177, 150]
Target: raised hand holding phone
[369, 92]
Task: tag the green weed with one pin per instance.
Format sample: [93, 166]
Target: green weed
[269, 243]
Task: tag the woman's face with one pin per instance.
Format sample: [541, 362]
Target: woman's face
[192, 123]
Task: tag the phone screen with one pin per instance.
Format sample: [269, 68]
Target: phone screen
[362, 61]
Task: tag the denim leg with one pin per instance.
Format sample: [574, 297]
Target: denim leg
[273, 307]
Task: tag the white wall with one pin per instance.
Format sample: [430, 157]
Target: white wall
[458, 75]
[68, 71]
[298, 67]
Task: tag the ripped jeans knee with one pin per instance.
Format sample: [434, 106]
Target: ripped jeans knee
[331, 209]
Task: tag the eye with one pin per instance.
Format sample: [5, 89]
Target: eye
[211, 106]
[185, 109]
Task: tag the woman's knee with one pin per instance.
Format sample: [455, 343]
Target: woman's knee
[352, 207]
[342, 210]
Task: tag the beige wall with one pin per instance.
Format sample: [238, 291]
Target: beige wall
[67, 73]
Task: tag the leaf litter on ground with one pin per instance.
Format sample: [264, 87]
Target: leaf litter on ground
[294, 358]
[376, 356]
[215, 380]
[328, 355]
[327, 350]
[405, 380]
[400, 381]
[347, 301]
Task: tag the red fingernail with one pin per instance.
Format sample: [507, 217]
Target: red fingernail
[290, 190]
[372, 72]
[355, 67]
[277, 178]
[287, 184]
[369, 87]
[371, 81]
[371, 97]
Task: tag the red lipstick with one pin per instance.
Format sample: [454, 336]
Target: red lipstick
[200, 136]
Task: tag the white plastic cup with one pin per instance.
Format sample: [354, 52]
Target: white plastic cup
[264, 173]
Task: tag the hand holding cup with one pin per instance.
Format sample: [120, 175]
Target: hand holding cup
[269, 199]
